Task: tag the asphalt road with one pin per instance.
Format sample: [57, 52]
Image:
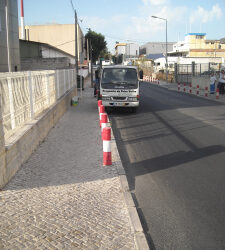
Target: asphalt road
[173, 151]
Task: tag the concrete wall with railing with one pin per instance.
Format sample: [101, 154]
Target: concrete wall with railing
[44, 98]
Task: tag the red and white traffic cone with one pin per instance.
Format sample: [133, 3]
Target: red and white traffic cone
[197, 91]
[206, 91]
[101, 111]
[190, 88]
[178, 86]
[103, 121]
[99, 104]
[107, 155]
[217, 93]
[184, 87]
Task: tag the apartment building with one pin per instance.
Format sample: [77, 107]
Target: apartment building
[120, 49]
[129, 50]
[196, 45]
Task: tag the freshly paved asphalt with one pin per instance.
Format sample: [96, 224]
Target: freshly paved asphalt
[173, 151]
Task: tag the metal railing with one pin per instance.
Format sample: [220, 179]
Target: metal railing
[25, 95]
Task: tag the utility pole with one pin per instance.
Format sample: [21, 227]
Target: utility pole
[76, 49]
[91, 64]
[8, 38]
[22, 21]
[87, 50]
[165, 19]
[76, 45]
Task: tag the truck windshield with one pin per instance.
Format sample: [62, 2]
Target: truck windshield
[120, 78]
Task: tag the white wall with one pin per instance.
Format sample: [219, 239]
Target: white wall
[51, 53]
[132, 50]
[121, 49]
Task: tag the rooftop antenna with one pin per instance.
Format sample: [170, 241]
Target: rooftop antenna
[22, 21]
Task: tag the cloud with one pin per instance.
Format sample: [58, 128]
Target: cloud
[204, 16]
[154, 2]
[148, 27]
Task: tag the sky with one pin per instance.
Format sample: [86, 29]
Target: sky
[130, 20]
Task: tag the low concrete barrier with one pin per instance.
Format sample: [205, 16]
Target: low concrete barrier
[20, 146]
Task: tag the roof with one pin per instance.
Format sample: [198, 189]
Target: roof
[155, 56]
[120, 44]
[211, 41]
[196, 34]
[47, 45]
[119, 67]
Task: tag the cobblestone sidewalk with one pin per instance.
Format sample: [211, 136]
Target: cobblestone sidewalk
[62, 197]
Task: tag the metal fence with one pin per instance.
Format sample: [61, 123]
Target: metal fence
[25, 95]
[184, 72]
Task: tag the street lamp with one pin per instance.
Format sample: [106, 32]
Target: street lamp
[76, 48]
[166, 47]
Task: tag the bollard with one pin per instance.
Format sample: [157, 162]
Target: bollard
[107, 155]
[99, 104]
[101, 111]
[103, 121]
[184, 87]
[217, 93]
[178, 86]
[190, 89]
[197, 91]
[206, 91]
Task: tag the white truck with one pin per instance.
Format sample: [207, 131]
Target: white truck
[119, 87]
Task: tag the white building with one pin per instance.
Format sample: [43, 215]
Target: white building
[120, 49]
[132, 50]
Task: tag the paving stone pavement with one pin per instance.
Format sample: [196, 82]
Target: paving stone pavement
[62, 197]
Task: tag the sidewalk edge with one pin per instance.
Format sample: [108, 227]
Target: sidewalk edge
[140, 239]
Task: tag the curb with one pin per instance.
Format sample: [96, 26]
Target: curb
[140, 239]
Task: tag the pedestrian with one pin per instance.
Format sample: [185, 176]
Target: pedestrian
[221, 82]
[96, 82]
[212, 82]
[141, 73]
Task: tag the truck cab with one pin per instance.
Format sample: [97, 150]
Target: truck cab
[119, 87]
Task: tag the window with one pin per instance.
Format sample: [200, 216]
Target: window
[199, 37]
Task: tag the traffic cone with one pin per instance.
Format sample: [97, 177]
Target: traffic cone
[197, 91]
[107, 155]
[190, 88]
[206, 91]
[217, 93]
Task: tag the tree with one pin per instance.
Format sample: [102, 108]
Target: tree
[98, 43]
